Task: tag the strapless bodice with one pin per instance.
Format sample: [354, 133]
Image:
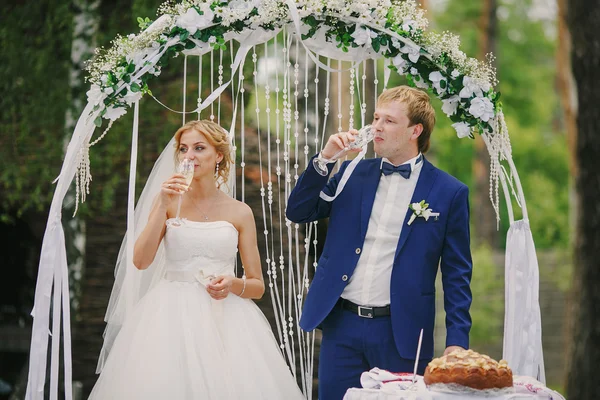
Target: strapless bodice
[208, 248]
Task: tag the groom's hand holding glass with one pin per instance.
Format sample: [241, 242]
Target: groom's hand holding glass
[340, 142]
[339, 145]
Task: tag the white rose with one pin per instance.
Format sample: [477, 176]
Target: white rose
[400, 63]
[417, 208]
[413, 51]
[95, 95]
[454, 74]
[470, 87]
[191, 21]
[482, 108]
[136, 58]
[132, 97]
[450, 105]
[362, 36]
[436, 78]
[114, 113]
[462, 129]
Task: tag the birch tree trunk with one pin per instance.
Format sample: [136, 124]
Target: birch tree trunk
[85, 26]
[484, 216]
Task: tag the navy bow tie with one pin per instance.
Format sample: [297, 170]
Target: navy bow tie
[403, 169]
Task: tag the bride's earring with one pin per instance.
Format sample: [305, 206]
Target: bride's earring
[217, 171]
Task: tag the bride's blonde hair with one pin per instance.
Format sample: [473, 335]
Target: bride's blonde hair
[217, 137]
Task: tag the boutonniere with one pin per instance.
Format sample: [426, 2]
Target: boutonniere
[421, 210]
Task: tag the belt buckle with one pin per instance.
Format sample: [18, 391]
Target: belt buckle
[365, 312]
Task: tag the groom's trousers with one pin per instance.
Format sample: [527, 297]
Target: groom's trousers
[351, 345]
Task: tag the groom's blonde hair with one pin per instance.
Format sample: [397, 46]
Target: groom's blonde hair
[216, 136]
[420, 110]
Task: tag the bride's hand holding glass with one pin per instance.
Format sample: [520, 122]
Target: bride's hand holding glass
[172, 188]
[178, 184]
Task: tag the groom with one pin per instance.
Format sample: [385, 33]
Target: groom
[374, 286]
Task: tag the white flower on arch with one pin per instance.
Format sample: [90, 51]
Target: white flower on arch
[412, 50]
[363, 35]
[436, 79]
[191, 21]
[462, 129]
[450, 105]
[482, 108]
[472, 86]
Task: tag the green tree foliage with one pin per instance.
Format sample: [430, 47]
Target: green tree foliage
[526, 70]
[488, 311]
[34, 62]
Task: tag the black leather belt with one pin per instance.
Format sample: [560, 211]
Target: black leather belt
[365, 312]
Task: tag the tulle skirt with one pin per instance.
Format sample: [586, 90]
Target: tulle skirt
[180, 344]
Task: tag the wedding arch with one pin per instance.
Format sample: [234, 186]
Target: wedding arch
[299, 36]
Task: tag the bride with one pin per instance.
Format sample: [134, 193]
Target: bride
[194, 333]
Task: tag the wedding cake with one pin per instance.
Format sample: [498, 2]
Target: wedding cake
[469, 368]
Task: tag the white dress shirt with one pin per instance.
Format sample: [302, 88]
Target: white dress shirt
[369, 285]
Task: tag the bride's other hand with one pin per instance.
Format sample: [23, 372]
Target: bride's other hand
[172, 187]
[220, 287]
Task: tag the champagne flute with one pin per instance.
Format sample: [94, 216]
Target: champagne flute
[364, 137]
[185, 168]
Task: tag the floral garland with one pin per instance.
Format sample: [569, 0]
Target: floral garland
[429, 60]
[393, 29]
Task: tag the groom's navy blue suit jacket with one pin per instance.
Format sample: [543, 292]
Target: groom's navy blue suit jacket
[420, 248]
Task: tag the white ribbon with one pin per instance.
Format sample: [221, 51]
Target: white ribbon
[131, 196]
[345, 176]
[53, 258]
[522, 344]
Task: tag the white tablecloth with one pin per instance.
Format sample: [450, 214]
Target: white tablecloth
[381, 385]
[377, 394]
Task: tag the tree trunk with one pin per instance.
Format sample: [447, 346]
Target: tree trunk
[565, 83]
[85, 26]
[484, 216]
[566, 87]
[582, 383]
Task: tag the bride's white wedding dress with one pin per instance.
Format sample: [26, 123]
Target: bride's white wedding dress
[181, 344]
